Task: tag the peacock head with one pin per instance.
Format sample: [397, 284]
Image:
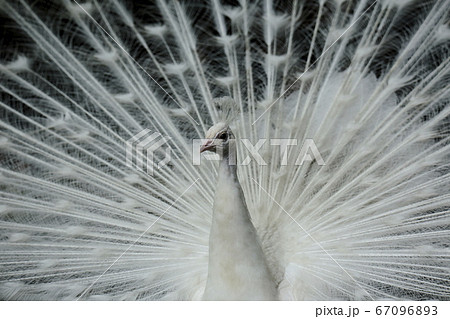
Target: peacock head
[219, 139]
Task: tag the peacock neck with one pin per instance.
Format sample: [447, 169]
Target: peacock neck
[228, 164]
[237, 268]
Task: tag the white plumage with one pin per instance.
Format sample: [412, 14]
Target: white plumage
[365, 81]
[237, 268]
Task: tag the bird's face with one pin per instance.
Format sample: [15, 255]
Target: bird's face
[218, 139]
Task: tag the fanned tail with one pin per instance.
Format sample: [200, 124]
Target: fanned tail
[361, 213]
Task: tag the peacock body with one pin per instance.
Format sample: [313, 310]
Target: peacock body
[360, 213]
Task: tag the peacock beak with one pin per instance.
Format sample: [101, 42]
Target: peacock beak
[207, 146]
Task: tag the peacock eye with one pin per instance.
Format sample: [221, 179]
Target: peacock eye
[222, 136]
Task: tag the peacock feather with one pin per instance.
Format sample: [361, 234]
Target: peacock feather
[345, 105]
